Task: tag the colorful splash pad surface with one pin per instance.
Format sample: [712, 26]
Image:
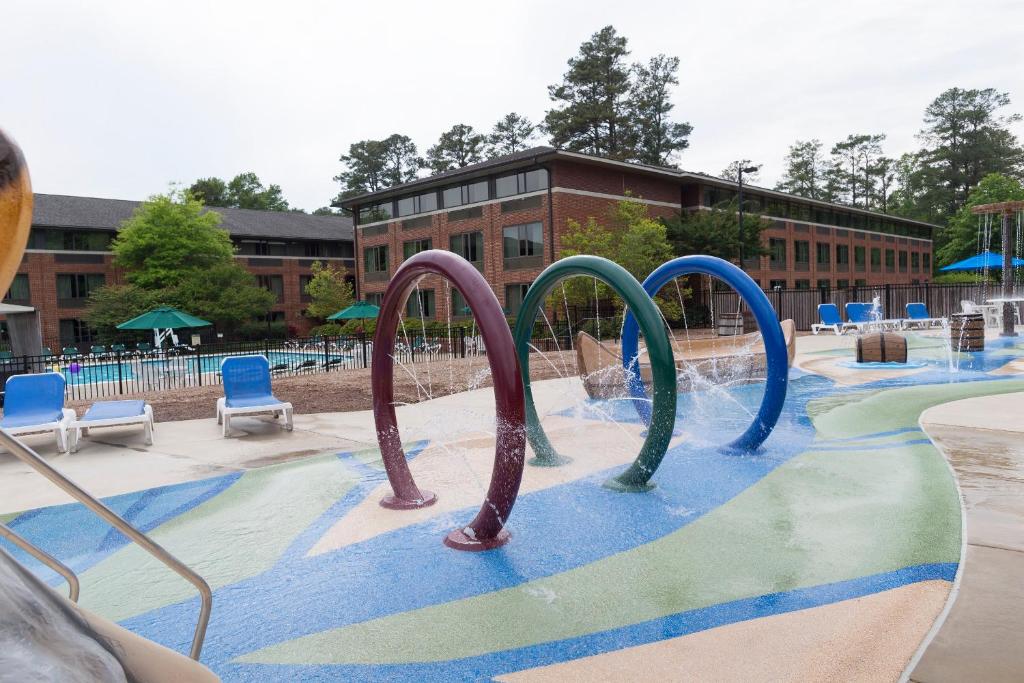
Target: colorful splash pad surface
[846, 529]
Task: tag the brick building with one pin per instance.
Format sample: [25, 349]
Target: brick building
[68, 256]
[507, 216]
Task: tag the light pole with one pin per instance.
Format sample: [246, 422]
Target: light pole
[748, 169]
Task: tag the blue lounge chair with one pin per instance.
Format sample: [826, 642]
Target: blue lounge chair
[35, 403]
[861, 316]
[247, 391]
[112, 414]
[830, 320]
[917, 315]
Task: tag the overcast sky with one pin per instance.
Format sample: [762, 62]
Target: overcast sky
[117, 99]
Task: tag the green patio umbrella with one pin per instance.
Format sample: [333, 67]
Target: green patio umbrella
[357, 311]
[163, 318]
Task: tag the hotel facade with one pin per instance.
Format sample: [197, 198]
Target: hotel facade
[68, 256]
[507, 216]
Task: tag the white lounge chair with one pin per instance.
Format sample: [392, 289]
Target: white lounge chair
[830, 320]
[917, 316]
[34, 404]
[247, 391]
[112, 414]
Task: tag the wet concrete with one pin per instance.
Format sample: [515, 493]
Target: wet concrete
[983, 439]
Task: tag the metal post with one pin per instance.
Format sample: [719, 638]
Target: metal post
[362, 340]
[740, 226]
[30, 458]
[199, 367]
[462, 342]
[120, 380]
[1009, 308]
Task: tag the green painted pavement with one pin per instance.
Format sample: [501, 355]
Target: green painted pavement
[820, 518]
[869, 441]
[237, 534]
[900, 408]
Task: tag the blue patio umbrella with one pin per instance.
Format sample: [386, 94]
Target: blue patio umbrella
[991, 260]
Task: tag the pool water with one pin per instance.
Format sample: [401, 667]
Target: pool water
[136, 368]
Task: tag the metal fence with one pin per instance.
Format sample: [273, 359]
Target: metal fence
[112, 374]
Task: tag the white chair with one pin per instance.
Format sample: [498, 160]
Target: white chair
[247, 391]
[112, 414]
[34, 404]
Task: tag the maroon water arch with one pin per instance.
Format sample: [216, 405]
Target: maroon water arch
[487, 528]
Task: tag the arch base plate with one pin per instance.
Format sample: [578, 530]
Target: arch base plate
[393, 502]
[460, 540]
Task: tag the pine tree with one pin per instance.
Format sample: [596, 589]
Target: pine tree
[511, 134]
[373, 165]
[656, 139]
[732, 171]
[592, 104]
[458, 147]
[806, 170]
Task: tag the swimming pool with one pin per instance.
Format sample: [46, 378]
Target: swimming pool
[130, 369]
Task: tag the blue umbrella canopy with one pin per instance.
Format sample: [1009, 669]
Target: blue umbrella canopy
[357, 311]
[991, 260]
[163, 318]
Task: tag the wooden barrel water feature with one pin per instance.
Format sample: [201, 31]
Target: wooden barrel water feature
[967, 332]
[881, 347]
[730, 324]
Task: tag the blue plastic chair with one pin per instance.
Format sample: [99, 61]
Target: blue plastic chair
[35, 403]
[917, 314]
[859, 313]
[247, 391]
[830, 319]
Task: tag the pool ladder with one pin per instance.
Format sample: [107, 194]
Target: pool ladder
[32, 459]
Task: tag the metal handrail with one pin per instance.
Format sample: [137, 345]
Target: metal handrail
[44, 557]
[32, 459]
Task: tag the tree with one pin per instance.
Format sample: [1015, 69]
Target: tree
[656, 138]
[716, 232]
[173, 252]
[167, 237]
[324, 211]
[329, 289]
[225, 294]
[805, 170]
[964, 139]
[111, 305]
[854, 159]
[210, 191]
[628, 236]
[884, 170]
[246, 191]
[591, 113]
[373, 165]
[511, 134]
[960, 238]
[458, 147]
[732, 171]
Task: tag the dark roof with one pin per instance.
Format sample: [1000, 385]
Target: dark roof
[536, 155]
[95, 213]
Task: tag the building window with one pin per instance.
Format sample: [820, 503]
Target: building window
[470, 193]
[859, 258]
[926, 262]
[876, 260]
[514, 295]
[802, 284]
[903, 261]
[520, 183]
[915, 262]
[824, 283]
[19, 292]
[420, 304]
[469, 246]
[860, 282]
[843, 256]
[273, 284]
[312, 249]
[74, 331]
[70, 240]
[374, 213]
[890, 260]
[413, 247]
[376, 259]
[801, 255]
[777, 254]
[777, 284]
[421, 203]
[824, 255]
[460, 308]
[262, 248]
[375, 298]
[523, 245]
[73, 290]
[304, 281]
[842, 284]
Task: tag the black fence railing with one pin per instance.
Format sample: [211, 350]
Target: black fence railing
[112, 374]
